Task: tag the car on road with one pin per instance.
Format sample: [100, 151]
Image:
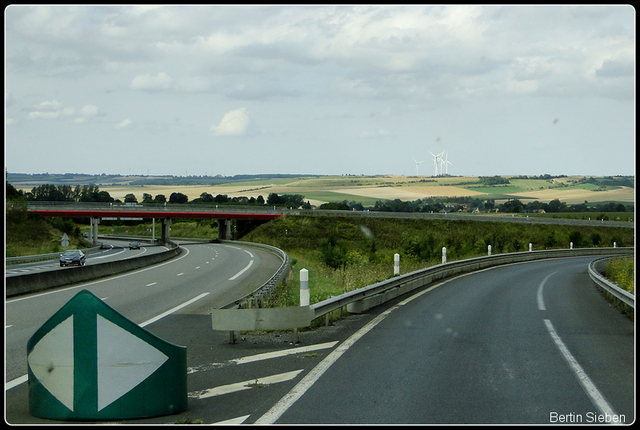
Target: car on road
[134, 245]
[73, 256]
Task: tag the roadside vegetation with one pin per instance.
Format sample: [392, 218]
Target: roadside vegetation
[343, 254]
[31, 234]
[621, 271]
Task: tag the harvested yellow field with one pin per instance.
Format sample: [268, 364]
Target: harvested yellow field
[191, 191]
[577, 196]
[407, 193]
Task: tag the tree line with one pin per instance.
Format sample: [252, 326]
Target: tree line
[92, 193]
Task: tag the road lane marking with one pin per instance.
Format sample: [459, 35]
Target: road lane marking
[238, 420]
[149, 285]
[172, 310]
[272, 415]
[589, 387]
[245, 385]
[234, 277]
[541, 305]
[264, 356]
[14, 383]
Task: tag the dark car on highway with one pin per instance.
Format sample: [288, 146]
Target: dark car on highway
[134, 245]
[70, 257]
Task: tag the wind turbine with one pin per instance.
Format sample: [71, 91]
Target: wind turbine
[442, 163]
[435, 163]
[417, 164]
[446, 163]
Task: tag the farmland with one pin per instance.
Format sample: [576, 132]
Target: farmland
[363, 189]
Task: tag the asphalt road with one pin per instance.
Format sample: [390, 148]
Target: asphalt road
[113, 251]
[202, 273]
[486, 348]
[526, 343]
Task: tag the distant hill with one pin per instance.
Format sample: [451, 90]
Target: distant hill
[25, 180]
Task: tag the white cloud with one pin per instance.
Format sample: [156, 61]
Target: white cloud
[233, 123]
[51, 110]
[123, 124]
[9, 121]
[89, 110]
[148, 82]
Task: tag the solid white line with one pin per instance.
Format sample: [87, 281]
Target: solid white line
[246, 385]
[590, 388]
[149, 285]
[238, 420]
[14, 383]
[170, 311]
[233, 278]
[540, 288]
[264, 356]
[277, 354]
[301, 387]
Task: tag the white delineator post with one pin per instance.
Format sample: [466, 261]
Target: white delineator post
[488, 249]
[444, 255]
[304, 297]
[304, 287]
[396, 264]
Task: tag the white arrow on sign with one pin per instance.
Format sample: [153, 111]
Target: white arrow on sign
[51, 361]
[124, 361]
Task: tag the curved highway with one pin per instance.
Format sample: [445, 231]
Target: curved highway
[526, 343]
[204, 276]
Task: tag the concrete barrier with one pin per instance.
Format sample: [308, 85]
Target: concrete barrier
[35, 282]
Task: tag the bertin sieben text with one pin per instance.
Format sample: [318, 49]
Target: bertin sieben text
[588, 418]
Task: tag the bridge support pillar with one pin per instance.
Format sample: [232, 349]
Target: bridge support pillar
[166, 230]
[94, 230]
[224, 229]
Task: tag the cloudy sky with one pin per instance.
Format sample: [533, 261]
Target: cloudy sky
[207, 90]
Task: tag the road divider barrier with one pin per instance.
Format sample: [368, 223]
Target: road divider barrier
[42, 281]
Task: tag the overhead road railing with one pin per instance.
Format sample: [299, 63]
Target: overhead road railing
[176, 210]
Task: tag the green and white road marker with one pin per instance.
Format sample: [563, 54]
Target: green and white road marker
[88, 362]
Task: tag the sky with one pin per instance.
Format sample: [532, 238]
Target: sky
[326, 90]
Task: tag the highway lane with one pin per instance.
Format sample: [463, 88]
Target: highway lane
[526, 343]
[210, 274]
[113, 251]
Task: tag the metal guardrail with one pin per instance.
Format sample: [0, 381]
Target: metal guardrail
[417, 279]
[262, 293]
[596, 271]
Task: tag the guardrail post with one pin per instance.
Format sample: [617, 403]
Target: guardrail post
[489, 250]
[444, 255]
[396, 264]
[304, 296]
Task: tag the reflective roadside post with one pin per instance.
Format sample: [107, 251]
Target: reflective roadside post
[304, 296]
[396, 264]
